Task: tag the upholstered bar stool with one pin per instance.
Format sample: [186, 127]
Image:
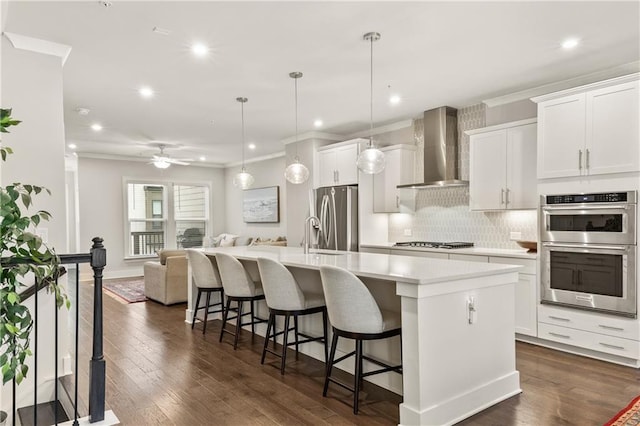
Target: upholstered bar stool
[207, 279]
[354, 314]
[239, 287]
[285, 298]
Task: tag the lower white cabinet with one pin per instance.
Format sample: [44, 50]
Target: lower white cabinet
[526, 295]
[421, 253]
[590, 330]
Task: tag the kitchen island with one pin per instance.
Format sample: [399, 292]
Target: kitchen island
[458, 351]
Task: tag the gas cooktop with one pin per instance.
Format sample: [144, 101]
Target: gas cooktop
[432, 244]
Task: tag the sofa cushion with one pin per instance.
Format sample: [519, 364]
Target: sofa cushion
[163, 254]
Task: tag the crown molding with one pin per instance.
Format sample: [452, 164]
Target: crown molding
[630, 68]
[382, 129]
[39, 46]
[313, 135]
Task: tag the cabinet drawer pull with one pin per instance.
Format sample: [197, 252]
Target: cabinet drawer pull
[564, 336]
[609, 327]
[559, 318]
[606, 345]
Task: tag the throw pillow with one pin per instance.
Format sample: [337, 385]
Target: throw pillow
[227, 240]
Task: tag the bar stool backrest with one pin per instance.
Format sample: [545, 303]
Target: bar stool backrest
[203, 270]
[235, 279]
[350, 305]
[281, 290]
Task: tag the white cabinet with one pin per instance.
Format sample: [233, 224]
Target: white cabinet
[337, 163]
[589, 130]
[398, 170]
[503, 167]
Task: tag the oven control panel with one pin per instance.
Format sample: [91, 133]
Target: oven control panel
[605, 197]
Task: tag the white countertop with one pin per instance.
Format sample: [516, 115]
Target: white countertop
[478, 251]
[408, 269]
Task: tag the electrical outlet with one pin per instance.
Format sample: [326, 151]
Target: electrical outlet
[407, 232]
[515, 236]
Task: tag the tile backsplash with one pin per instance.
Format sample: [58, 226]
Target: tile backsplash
[442, 214]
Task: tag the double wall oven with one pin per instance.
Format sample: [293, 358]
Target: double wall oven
[588, 254]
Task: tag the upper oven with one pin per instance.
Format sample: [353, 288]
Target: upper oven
[605, 218]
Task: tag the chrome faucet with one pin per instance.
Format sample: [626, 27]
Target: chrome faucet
[308, 223]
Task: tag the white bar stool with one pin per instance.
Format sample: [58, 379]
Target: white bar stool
[239, 287]
[354, 314]
[207, 278]
[285, 297]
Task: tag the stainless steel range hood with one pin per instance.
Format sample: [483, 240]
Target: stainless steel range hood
[440, 150]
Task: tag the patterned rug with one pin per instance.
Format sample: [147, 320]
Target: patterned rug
[630, 415]
[130, 290]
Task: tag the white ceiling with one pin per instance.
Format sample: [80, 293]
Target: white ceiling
[430, 53]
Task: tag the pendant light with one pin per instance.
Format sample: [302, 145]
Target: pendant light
[371, 160]
[296, 172]
[243, 180]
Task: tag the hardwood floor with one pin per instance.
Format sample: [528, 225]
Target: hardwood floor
[159, 371]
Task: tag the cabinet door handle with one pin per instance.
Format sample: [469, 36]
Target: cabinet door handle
[579, 159]
[609, 327]
[337, 176]
[587, 160]
[507, 196]
[559, 318]
[564, 336]
[502, 196]
[397, 201]
[607, 345]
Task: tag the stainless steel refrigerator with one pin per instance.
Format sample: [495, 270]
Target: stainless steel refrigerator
[337, 209]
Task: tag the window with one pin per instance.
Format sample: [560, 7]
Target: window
[165, 215]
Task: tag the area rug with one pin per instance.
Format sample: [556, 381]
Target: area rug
[131, 290]
[630, 415]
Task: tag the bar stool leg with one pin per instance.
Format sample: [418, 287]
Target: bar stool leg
[334, 344]
[206, 312]
[295, 326]
[195, 310]
[284, 343]
[225, 315]
[253, 321]
[358, 375]
[238, 325]
[266, 337]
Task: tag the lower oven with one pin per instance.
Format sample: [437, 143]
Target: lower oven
[590, 276]
[588, 254]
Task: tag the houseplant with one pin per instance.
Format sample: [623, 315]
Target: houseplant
[24, 258]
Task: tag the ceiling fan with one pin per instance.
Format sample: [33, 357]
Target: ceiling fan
[162, 161]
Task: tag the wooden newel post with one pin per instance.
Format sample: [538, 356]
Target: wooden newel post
[97, 366]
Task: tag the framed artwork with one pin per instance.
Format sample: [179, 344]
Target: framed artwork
[261, 205]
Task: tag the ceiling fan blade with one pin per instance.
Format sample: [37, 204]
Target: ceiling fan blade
[179, 162]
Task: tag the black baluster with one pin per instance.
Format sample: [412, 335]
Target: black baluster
[97, 366]
[35, 355]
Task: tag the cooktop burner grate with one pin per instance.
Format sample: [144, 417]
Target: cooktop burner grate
[434, 244]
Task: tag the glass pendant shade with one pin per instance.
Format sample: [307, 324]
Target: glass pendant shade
[371, 160]
[296, 172]
[243, 180]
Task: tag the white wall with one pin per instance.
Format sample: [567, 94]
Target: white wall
[102, 209]
[266, 173]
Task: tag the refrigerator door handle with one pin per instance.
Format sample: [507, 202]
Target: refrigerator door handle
[335, 219]
[349, 213]
[324, 225]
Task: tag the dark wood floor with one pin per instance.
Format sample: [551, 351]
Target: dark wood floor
[159, 371]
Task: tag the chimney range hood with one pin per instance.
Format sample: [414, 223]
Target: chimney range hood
[440, 150]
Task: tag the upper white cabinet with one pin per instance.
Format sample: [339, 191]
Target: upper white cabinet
[503, 167]
[398, 170]
[337, 163]
[590, 130]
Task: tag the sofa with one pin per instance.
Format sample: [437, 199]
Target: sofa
[165, 280]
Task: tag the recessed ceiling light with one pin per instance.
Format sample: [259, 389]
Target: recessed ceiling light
[96, 127]
[145, 91]
[72, 146]
[203, 158]
[199, 49]
[394, 100]
[252, 146]
[318, 123]
[570, 43]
